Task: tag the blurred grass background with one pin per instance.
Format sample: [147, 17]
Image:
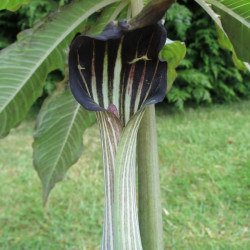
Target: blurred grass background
[204, 164]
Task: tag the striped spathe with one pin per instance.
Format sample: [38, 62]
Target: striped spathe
[119, 68]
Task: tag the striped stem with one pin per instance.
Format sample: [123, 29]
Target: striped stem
[127, 232]
[110, 130]
[121, 227]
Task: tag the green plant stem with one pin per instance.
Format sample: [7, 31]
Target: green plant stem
[150, 211]
[150, 216]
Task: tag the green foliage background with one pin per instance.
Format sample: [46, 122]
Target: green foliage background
[207, 74]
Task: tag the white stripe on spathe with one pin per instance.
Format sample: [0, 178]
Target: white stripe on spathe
[117, 76]
[93, 76]
[105, 78]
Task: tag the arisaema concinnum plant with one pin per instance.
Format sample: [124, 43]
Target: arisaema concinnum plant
[117, 74]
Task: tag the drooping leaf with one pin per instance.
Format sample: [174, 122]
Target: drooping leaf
[58, 137]
[25, 64]
[118, 71]
[12, 4]
[226, 44]
[234, 19]
[173, 52]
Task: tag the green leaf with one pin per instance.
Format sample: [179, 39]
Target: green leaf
[58, 137]
[12, 4]
[25, 64]
[234, 19]
[226, 44]
[173, 52]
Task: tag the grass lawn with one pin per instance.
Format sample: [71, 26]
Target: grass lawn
[204, 161]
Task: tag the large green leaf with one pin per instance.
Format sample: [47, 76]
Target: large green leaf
[173, 52]
[226, 44]
[58, 137]
[12, 4]
[234, 18]
[25, 64]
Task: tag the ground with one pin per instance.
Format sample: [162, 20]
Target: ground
[204, 166]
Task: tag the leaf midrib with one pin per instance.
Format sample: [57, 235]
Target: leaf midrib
[210, 11]
[57, 42]
[64, 141]
[229, 11]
